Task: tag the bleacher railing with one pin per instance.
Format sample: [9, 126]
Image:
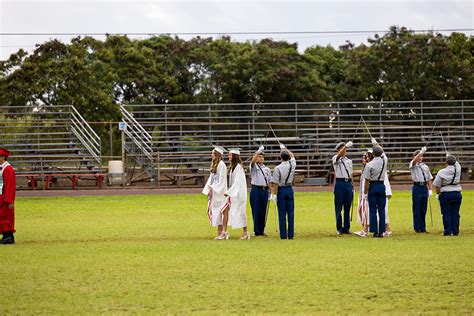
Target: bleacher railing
[49, 139]
[184, 133]
[138, 142]
[85, 134]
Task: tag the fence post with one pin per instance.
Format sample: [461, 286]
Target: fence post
[296, 119]
[111, 139]
[158, 171]
[124, 161]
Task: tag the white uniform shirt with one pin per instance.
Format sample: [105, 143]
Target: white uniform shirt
[280, 174]
[444, 179]
[260, 175]
[342, 167]
[376, 170]
[420, 172]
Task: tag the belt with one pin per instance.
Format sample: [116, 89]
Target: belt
[285, 186]
[376, 182]
[344, 179]
[260, 187]
[421, 183]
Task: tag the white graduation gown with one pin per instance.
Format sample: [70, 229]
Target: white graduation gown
[238, 198]
[216, 199]
[363, 207]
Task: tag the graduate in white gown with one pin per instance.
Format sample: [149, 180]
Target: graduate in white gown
[236, 197]
[215, 187]
[363, 206]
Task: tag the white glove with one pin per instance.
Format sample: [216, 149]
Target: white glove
[270, 196]
[364, 196]
[275, 198]
[374, 141]
[423, 150]
[447, 154]
[437, 197]
[349, 144]
[282, 146]
[430, 193]
[260, 149]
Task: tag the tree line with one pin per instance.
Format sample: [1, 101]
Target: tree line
[95, 75]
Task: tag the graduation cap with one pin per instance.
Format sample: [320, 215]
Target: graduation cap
[234, 151]
[219, 149]
[5, 153]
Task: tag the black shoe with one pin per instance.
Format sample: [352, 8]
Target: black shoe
[7, 241]
[446, 234]
[375, 235]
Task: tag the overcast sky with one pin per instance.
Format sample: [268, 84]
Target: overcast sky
[87, 16]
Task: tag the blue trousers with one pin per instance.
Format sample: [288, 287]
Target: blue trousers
[377, 200]
[419, 197]
[258, 202]
[286, 207]
[450, 203]
[343, 195]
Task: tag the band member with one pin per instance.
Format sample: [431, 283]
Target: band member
[374, 189]
[343, 189]
[259, 194]
[449, 190]
[236, 196]
[283, 194]
[215, 188]
[421, 190]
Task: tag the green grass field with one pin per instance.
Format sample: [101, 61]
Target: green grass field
[155, 254]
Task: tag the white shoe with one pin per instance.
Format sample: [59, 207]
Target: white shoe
[387, 234]
[245, 237]
[222, 236]
[361, 233]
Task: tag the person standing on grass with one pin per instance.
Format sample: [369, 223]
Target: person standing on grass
[7, 199]
[421, 190]
[282, 192]
[343, 189]
[448, 191]
[235, 213]
[259, 194]
[388, 193]
[363, 205]
[214, 189]
[374, 189]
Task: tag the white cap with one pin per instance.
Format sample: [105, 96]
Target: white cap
[219, 149]
[235, 151]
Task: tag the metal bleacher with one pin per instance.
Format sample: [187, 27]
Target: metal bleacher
[49, 142]
[183, 134]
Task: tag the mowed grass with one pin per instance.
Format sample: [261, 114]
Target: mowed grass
[155, 254]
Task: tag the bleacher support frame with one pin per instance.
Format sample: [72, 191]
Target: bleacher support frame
[50, 141]
[183, 134]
